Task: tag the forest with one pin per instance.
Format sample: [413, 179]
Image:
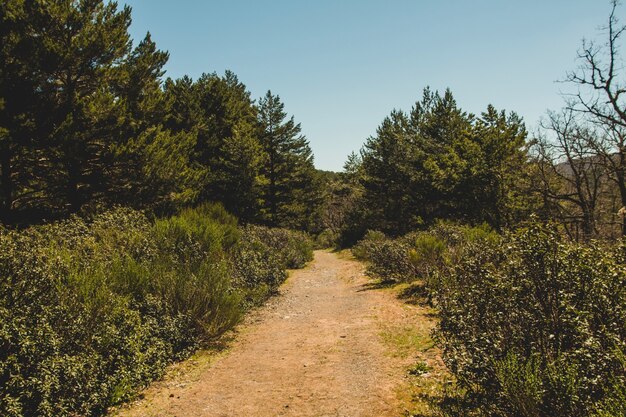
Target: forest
[141, 217]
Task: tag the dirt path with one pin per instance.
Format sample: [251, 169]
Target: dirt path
[325, 347]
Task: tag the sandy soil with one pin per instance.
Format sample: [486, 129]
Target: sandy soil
[327, 346]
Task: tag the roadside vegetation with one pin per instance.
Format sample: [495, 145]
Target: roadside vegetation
[515, 239]
[142, 216]
[530, 323]
[93, 309]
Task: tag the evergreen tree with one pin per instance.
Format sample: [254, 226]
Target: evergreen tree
[498, 193]
[141, 86]
[153, 166]
[230, 146]
[222, 113]
[394, 182]
[290, 193]
[440, 162]
[86, 44]
[23, 109]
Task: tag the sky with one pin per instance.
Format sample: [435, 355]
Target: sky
[341, 66]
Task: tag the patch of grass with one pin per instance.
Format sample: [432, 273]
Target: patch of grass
[345, 254]
[406, 340]
[419, 369]
[428, 396]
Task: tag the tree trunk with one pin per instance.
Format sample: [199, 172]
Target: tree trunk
[588, 224]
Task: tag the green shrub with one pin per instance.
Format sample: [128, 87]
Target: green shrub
[63, 352]
[614, 403]
[428, 255]
[422, 255]
[261, 258]
[327, 239]
[365, 247]
[530, 327]
[92, 309]
[257, 267]
[294, 249]
[387, 259]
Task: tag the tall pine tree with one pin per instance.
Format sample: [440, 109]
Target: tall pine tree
[290, 193]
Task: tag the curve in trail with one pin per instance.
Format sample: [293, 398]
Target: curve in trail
[315, 350]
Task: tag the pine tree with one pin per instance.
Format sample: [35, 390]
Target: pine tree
[290, 193]
[88, 42]
[152, 166]
[222, 113]
[230, 146]
[23, 104]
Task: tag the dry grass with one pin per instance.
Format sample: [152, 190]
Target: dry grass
[427, 378]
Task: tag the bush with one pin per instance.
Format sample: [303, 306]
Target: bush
[294, 249]
[536, 326]
[365, 248]
[327, 239]
[258, 268]
[90, 310]
[428, 255]
[69, 343]
[422, 255]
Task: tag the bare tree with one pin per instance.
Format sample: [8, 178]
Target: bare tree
[570, 175]
[600, 99]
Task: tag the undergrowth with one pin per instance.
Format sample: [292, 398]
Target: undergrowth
[93, 309]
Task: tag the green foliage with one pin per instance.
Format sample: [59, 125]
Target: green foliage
[86, 122]
[261, 258]
[327, 239]
[419, 369]
[364, 248]
[427, 249]
[257, 262]
[531, 327]
[438, 162]
[425, 255]
[228, 150]
[80, 327]
[290, 194]
[387, 259]
[530, 324]
[614, 403]
[293, 249]
[90, 310]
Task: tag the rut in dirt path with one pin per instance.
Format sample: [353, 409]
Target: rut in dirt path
[315, 350]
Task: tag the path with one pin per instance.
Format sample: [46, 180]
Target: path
[315, 350]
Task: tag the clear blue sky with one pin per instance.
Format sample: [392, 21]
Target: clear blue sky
[341, 66]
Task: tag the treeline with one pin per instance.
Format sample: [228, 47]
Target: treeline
[93, 309]
[438, 161]
[86, 121]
